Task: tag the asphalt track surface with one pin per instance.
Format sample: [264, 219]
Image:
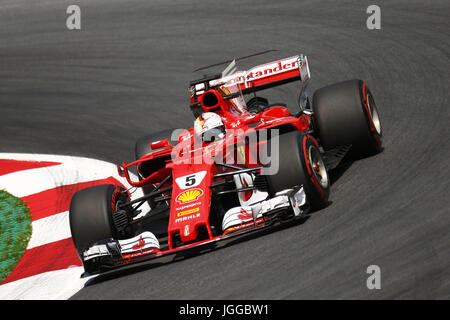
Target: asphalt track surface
[94, 92]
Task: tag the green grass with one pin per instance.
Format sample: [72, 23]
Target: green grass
[15, 232]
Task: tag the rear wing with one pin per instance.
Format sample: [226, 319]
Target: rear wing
[269, 75]
[262, 77]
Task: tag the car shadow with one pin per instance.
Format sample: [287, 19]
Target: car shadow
[345, 164]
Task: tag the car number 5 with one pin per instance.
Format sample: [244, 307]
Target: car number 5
[190, 181]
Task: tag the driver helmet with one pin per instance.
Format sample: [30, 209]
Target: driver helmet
[209, 127]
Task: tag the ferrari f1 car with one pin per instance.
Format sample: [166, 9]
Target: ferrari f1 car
[245, 165]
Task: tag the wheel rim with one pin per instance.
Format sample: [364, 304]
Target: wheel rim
[373, 113]
[318, 166]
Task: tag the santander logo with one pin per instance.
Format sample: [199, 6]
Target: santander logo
[272, 68]
[265, 70]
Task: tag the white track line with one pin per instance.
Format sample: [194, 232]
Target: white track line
[53, 285]
[72, 170]
[50, 229]
[60, 284]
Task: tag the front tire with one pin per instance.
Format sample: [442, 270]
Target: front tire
[91, 215]
[301, 163]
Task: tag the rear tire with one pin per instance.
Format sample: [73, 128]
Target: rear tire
[301, 163]
[345, 113]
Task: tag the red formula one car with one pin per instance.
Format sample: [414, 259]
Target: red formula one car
[244, 166]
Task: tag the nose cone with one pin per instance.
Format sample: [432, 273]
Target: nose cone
[190, 203]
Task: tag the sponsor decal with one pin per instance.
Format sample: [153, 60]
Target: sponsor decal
[140, 244]
[256, 73]
[186, 212]
[189, 195]
[273, 68]
[188, 206]
[266, 70]
[188, 217]
[186, 230]
[244, 215]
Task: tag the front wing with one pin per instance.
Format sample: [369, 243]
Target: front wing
[111, 254]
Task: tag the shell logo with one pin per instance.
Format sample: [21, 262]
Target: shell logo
[189, 195]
